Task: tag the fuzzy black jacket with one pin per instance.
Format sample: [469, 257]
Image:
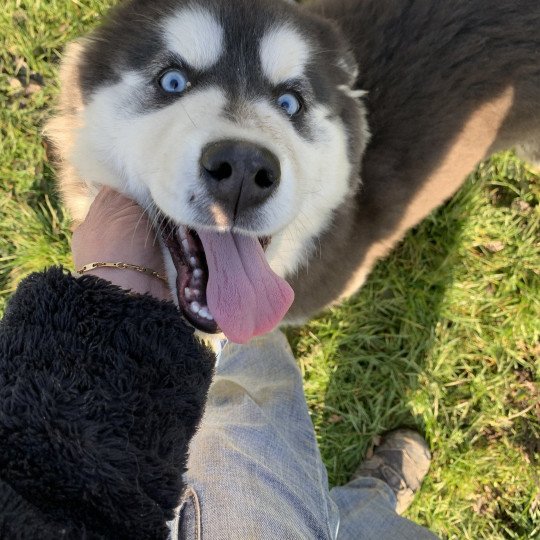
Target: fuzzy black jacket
[100, 394]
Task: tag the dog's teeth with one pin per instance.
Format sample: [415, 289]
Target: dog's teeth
[197, 273]
[206, 314]
[194, 262]
[188, 292]
[195, 307]
[185, 245]
[196, 292]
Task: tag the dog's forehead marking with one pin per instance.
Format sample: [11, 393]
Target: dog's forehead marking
[196, 36]
[284, 54]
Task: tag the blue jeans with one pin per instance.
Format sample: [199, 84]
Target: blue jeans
[255, 471]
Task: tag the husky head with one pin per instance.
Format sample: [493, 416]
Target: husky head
[233, 120]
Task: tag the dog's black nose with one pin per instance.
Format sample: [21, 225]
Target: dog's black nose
[239, 174]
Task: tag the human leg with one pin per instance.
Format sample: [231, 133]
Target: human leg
[382, 488]
[255, 468]
[254, 464]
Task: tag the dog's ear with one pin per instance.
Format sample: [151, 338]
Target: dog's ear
[60, 132]
[348, 64]
[71, 95]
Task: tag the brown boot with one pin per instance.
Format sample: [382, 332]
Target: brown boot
[401, 459]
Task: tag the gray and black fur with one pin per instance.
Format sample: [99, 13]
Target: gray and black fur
[427, 67]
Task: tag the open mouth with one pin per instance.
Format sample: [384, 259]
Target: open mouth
[191, 275]
[224, 282]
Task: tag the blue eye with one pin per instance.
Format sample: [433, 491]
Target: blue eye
[174, 82]
[289, 103]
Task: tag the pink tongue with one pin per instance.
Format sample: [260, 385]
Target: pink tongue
[244, 295]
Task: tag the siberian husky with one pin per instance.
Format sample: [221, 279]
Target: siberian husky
[284, 148]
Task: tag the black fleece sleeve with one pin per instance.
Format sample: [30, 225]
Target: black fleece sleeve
[100, 394]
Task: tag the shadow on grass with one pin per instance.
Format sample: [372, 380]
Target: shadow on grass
[444, 337]
[368, 357]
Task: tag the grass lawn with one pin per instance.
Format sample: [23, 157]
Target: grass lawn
[444, 336]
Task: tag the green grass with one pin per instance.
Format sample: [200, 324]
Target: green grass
[444, 336]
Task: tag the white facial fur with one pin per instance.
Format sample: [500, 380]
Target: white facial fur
[284, 54]
[154, 156]
[195, 36]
